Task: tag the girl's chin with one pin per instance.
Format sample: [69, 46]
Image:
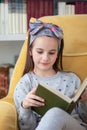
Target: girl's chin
[45, 68]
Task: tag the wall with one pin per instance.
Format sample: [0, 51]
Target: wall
[8, 51]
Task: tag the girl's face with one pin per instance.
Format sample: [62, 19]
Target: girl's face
[44, 53]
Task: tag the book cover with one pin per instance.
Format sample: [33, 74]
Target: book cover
[54, 98]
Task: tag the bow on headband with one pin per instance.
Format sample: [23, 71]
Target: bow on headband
[39, 28]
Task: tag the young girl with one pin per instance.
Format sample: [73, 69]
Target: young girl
[44, 63]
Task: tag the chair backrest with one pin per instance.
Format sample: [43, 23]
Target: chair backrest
[75, 48]
[75, 42]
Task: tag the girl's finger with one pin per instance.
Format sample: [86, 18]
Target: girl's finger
[37, 98]
[35, 103]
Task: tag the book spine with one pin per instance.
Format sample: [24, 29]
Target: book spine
[70, 107]
[37, 7]
[10, 16]
[41, 3]
[77, 7]
[2, 17]
[46, 9]
[28, 12]
[20, 16]
[50, 7]
[70, 9]
[61, 8]
[24, 16]
[17, 17]
[6, 16]
[85, 8]
[13, 16]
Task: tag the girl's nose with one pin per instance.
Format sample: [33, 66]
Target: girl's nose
[45, 57]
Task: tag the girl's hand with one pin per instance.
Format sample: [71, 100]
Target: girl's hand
[84, 96]
[32, 100]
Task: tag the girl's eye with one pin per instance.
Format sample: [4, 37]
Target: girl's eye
[40, 52]
[51, 53]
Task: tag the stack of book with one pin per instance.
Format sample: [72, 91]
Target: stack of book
[4, 79]
[70, 8]
[15, 14]
[3, 85]
[13, 17]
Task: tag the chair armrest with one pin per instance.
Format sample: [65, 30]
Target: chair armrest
[8, 116]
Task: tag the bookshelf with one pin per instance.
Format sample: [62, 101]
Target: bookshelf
[70, 7]
[11, 37]
[13, 21]
[15, 15]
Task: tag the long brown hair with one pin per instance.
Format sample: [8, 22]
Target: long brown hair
[29, 65]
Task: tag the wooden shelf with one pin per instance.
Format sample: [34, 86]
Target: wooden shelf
[12, 37]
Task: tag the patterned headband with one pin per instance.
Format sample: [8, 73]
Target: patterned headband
[39, 28]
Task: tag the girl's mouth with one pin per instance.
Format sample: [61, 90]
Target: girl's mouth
[44, 63]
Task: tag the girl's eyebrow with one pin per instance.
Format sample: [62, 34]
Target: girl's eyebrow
[48, 50]
[39, 48]
[53, 50]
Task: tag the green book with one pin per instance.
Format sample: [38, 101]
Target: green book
[54, 98]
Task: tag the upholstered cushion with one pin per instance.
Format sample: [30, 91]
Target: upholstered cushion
[8, 116]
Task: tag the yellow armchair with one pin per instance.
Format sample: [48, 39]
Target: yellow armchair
[74, 59]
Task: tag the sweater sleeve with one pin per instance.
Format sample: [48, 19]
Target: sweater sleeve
[26, 117]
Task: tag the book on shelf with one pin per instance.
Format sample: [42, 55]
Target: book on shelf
[20, 16]
[10, 20]
[24, 16]
[66, 8]
[61, 8]
[54, 98]
[2, 17]
[13, 10]
[70, 8]
[15, 14]
[81, 7]
[6, 15]
[38, 8]
[17, 17]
